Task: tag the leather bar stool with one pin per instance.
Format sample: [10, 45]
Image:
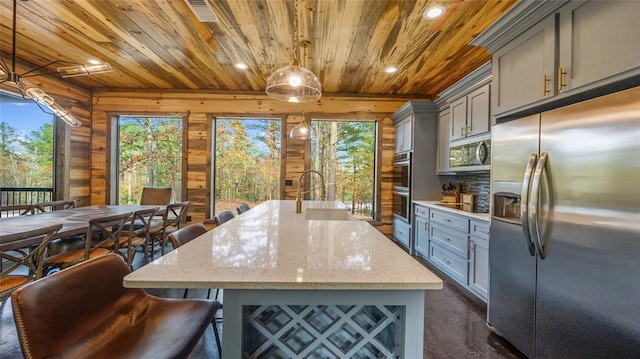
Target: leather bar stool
[85, 312]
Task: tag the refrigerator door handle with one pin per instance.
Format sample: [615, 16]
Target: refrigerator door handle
[524, 202]
[534, 203]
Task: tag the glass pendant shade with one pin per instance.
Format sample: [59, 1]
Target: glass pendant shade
[301, 131]
[294, 84]
[44, 99]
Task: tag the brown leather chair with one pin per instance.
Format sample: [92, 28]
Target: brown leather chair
[156, 195]
[223, 217]
[185, 235]
[72, 314]
[243, 207]
[31, 258]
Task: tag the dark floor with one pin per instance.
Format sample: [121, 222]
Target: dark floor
[454, 326]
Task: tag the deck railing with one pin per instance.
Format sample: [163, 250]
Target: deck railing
[11, 196]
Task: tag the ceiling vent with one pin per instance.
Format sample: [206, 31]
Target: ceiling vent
[202, 10]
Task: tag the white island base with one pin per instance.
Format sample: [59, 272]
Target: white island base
[303, 285]
[323, 324]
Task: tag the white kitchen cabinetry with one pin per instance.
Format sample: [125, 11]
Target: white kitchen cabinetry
[416, 134]
[444, 125]
[479, 257]
[543, 52]
[598, 39]
[470, 114]
[422, 230]
[523, 70]
[458, 245]
[404, 135]
[401, 232]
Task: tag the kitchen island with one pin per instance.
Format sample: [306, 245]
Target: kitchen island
[297, 287]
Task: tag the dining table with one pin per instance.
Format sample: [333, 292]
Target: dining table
[74, 221]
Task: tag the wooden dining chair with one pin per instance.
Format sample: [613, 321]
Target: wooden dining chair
[17, 210]
[55, 205]
[223, 217]
[135, 234]
[102, 237]
[31, 259]
[85, 312]
[156, 195]
[243, 207]
[172, 219]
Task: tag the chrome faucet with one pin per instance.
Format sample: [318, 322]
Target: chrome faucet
[300, 193]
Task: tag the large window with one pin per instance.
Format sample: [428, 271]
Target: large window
[26, 150]
[247, 162]
[344, 152]
[149, 155]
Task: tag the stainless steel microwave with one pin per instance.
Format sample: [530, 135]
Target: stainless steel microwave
[471, 154]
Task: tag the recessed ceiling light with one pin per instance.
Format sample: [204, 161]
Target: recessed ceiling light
[94, 62]
[433, 12]
[241, 66]
[391, 69]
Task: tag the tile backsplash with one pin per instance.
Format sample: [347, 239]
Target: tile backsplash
[478, 184]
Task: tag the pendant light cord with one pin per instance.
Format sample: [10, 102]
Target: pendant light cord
[294, 61]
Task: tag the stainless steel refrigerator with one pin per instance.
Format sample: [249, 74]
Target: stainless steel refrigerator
[564, 250]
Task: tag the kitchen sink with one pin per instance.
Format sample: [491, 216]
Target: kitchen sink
[327, 214]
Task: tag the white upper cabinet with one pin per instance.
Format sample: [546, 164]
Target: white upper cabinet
[470, 114]
[404, 135]
[546, 51]
[598, 39]
[523, 70]
[444, 126]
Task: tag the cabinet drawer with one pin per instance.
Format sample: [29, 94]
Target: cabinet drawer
[422, 211]
[479, 229]
[449, 238]
[451, 220]
[453, 265]
[401, 232]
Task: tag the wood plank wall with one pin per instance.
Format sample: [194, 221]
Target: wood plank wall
[201, 107]
[73, 150]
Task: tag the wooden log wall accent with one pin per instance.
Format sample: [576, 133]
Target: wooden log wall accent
[73, 148]
[202, 107]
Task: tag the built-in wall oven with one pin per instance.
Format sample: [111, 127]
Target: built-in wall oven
[401, 193]
[401, 204]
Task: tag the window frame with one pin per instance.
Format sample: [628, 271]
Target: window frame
[212, 151]
[113, 169]
[375, 218]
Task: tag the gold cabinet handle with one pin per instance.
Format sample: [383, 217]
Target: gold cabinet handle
[545, 79]
[561, 74]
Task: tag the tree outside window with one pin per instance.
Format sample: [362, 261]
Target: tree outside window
[247, 162]
[150, 155]
[26, 148]
[344, 152]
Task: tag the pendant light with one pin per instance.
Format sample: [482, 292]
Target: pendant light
[302, 131]
[41, 98]
[294, 83]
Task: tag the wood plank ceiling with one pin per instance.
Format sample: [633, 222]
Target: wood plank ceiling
[160, 44]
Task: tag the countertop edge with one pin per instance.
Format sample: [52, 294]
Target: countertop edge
[436, 205]
[433, 285]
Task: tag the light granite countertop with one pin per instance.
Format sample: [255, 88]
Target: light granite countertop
[438, 205]
[272, 247]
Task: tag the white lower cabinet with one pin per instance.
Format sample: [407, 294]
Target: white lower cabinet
[422, 230]
[401, 232]
[457, 244]
[478, 266]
